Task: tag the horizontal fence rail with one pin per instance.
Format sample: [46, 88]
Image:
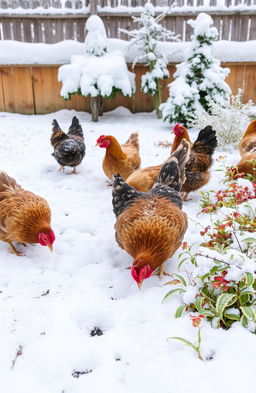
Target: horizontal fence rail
[60, 20]
[35, 89]
[78, 4]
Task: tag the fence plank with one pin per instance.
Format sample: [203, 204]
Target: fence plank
[226, 28]
[250, 85]
[81, 30]
[244, 24]
[235, 28]
[18, 92]
[48, 31]
[2, 101]
[58, 31]
[7, 28]
[27, 31]
[46, 90]
[17, 25]
[237, 77]
[252, 35]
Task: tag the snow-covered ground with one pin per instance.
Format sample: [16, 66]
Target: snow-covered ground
[50, 302]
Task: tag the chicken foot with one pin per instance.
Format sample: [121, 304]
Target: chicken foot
[161, 272]
[74, 172]
[14, 251]
[185, 197]
[61, 168]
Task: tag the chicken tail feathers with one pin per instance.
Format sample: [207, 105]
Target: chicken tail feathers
[7, 185]
[57, 133]
[172, 173]
[75, 128]
[206, 141]
[122, 194]
[134, 140]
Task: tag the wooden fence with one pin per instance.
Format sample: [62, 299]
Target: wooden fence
[69, 24]
[35, 89]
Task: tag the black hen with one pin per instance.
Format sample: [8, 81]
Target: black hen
[69, 149]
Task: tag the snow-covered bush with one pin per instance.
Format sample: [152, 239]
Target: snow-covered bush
[98, 73]
[199, 78]
[229, 121]
[146, 39]
[222, 286]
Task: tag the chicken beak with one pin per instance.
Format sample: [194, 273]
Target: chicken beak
[140, 284]
[50, 247]
[96, 144]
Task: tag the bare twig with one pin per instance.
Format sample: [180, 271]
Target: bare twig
[18, 353]
[216, 259]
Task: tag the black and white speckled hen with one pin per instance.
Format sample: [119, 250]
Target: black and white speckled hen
[69, 149]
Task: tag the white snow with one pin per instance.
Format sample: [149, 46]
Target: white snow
[88, 285]
[16, 52]
[96, 75]
[96, 37]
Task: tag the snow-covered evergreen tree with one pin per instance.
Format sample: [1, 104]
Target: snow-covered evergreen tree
[199, 79]
[99, 72]
[146, 39]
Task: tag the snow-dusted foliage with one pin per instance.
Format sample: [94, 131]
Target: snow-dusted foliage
[146, 39]
[98, 72]
[229, 121]
[200, 76]
[96, 38]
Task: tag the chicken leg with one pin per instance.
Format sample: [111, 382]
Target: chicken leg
[161, 272]
[14, 251]
[73, 172]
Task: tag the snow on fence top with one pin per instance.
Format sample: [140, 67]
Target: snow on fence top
[120, 5]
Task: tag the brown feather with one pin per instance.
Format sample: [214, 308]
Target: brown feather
[247, 167]
[247, 149]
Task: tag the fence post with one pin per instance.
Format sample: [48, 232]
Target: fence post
[93, 7]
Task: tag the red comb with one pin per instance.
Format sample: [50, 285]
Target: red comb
[176, 126]
[100, 138]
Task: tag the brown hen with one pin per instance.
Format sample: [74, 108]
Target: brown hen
[247, 149]
[123, 159]
[24, 216]
[200, 160]
[150, 226]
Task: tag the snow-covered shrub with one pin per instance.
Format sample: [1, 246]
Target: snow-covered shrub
[229, 121]
[146, 39]
[98, 73]
[200, 77]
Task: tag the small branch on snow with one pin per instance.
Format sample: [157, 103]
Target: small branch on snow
[18, 353]
[216, 259]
